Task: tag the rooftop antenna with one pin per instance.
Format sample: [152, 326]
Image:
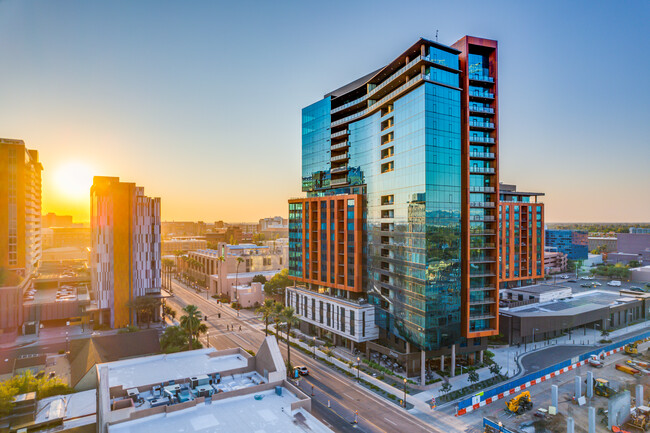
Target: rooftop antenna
[436, 35]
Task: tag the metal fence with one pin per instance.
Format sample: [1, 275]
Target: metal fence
[470, 401]
[494, 427]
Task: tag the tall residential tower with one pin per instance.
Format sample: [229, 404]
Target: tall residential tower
[125, 259]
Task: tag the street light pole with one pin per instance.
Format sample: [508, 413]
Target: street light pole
[404, 392]
[358, 367]
[207, 338]
[314, 347]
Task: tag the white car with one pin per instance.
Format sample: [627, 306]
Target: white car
[564, 277]
[614, 283]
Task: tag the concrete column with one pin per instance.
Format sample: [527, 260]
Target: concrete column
[423, 379]
[408, 347]
[453, 361]
[590, 384]
[442, 362]
[639, 396]
[569, 425]
[577, 382]
[481, 356]
[554, 390]
[592, 420]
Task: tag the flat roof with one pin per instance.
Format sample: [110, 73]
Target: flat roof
[539, 288]
[251, 274]
[271, 413]
[579, 303]
[131, 373]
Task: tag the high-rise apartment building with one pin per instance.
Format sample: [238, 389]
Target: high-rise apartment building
[20, 228]
[397, 236]
[125, 258]
[20, 207]
[521, 237]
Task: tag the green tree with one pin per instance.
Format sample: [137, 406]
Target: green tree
[276, 315]
[266, 311]
[145, 307]
[190, 322]
[291, 320]
[633, 264]
[445, 388]
[259, 279]
[495, 369]
[27, 382]
[473, 377]
[173, 339]
[277, 284]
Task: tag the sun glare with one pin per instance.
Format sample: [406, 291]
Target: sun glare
[73, 180]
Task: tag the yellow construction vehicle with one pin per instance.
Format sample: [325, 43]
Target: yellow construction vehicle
[640, 418]
[631, 349]
[520, 403]
[602, 388]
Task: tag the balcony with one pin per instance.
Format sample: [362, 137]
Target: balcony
[340, 134]
[486, 232]
[483, 301]
[481, 204]
[481, 78]
[339, 170]
[481, 218]
[481, 275]
[483, 246]
[484, 316]
[343, 145]
[481, 95]
[342, 157]
[481, 109]
[481, 155]
[482, 125]
[482, 259]
[482, 289]
[481, 189]
[478, 170]
[337, 182]
[481, 139]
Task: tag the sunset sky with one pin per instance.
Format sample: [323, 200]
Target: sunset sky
[200, 102]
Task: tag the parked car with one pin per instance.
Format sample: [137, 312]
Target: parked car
[614, 283]
[564, 277]
[636, 289]
[304, 371]
[585, 285]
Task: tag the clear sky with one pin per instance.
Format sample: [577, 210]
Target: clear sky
[200, 101]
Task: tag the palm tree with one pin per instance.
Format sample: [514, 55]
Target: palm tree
[266, 310]
[239, 261]
[220, 259]
[144, 306]
[168, 264]
[276, 315]
[291, 320]
[191, 321]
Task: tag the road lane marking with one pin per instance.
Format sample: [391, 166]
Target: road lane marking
[387, 420]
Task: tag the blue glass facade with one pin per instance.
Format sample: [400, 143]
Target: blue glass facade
[573, 243]
[316, 122]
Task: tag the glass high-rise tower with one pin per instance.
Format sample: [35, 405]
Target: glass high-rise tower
[396, 240]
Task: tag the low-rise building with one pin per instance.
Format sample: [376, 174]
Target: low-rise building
[573, 243]
[554, 261]
[640, 275]
[183, 244]
[609, 243]
[220, 268]
[535, 293]
[203, 390]
[598, 309]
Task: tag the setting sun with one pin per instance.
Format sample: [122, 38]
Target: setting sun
[73, 180]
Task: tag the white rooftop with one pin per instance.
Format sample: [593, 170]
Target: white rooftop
[148, 370]
[232, 415]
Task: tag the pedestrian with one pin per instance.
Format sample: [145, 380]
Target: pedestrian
[240, 327]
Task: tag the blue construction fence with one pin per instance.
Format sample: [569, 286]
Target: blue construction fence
[492, 426]
[472, 400]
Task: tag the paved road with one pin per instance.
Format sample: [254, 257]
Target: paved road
[375, 413]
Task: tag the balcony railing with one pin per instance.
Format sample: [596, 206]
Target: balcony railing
[485, 316]
[340, 157]
[339, 134]
[483, 155]
[481, 218]
[484, 78]
[481, 274]
[339, 170]
[481, 139]
[486, 95]
[486, 170]
[481, 204]
[483, 246]
[482, 289]
[482, 301]
[482, 259]
[336, 182]
[341, 145]
[480, 109]
[486, 232]
[481, 189]
[487, 125]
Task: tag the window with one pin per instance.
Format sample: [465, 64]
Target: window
[387, 152]
[388, 167]
[387, 199]
[387, 138]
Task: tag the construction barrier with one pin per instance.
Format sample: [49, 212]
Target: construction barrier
[490, 426]
[516, 385]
